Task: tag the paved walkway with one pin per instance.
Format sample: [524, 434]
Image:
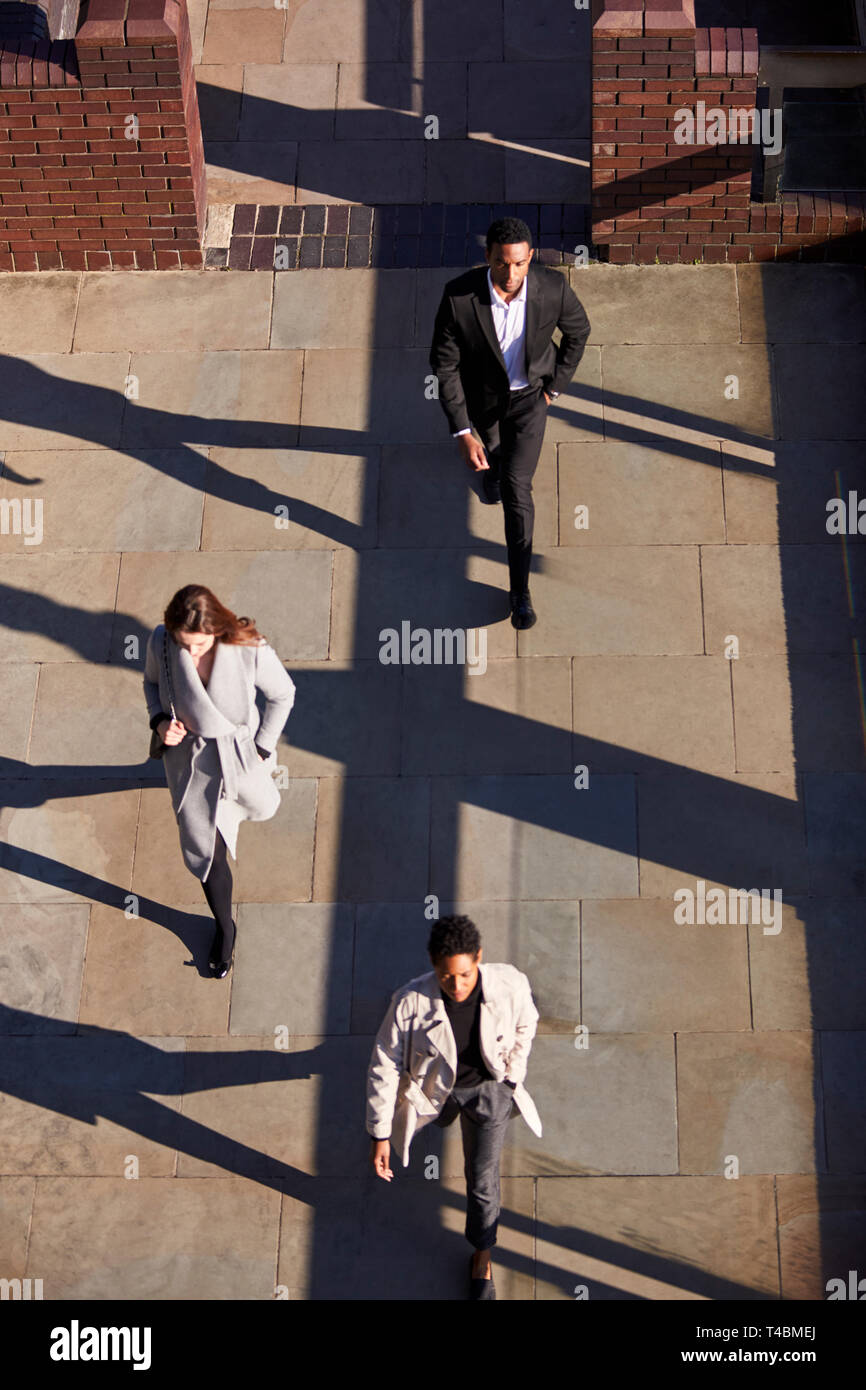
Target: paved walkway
[161, 419]
[393, 101]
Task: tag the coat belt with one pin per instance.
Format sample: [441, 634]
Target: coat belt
[228, 750]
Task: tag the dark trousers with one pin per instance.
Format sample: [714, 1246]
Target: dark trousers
[484, 1111]
[218, 891]
[513, 454]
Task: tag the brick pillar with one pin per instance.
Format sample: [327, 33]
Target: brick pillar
[76, 193]
[653, 197]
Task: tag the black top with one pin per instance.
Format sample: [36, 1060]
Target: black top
[465, 1020]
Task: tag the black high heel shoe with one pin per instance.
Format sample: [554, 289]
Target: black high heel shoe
[221, 967]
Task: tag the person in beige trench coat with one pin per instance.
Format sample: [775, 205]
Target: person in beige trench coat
[456, 1040]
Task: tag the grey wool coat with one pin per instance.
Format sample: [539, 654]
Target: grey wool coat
[215, 776]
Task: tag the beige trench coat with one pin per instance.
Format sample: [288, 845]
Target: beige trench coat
[414, 1058]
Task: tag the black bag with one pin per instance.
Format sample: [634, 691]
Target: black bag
[157, 747]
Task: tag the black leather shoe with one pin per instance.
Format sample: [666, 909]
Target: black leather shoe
[480, 1290]
[490, 487]
[523, 614]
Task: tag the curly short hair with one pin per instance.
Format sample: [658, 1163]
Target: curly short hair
[507, 230]
[453, 936]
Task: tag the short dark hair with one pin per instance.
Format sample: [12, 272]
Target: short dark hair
[453, 936]
[508, 230]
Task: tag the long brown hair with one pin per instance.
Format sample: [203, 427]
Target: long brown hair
[196, 609]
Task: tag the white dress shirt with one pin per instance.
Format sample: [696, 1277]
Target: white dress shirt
[509, 320]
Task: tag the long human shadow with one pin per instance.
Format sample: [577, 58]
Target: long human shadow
[98, 1074]
[321, 1254]
[745, 804]
[717, 828]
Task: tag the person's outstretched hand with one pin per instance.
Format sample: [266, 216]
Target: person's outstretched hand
[473, 452]
[380, 1152]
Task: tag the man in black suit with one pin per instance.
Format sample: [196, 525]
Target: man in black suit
[498, 371]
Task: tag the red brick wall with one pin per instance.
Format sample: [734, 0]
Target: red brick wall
[654, 199]
[75, 193]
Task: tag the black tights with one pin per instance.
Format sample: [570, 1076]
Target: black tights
[218, 891]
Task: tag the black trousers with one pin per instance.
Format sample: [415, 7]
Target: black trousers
[218, 891]
[513, 451]
[484, 1111]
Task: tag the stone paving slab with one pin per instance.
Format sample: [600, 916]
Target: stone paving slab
[680, 394]
[56, 849]
[146, 503]
[784, 495]
[809, 975]
[622, 1087]
[722, 831]
[266, 1102]
[543, 30]
[631, 307]
[378, 394]
[158, 1238]
[16, 710]
[39, 310]
[756, 1096]
[357, 835]
[819, 390]
[771, 692]
[501, 837]
[269, 992]
[34, 606]
[313, 309]
[149, 978]
[16, 1204]
[327, 501]
[401, 1240]
[285, 593]
[632, 709]
[260, 171]
[844, 1091]
[445, 95]
[42, 953]
[458, 722]
[223, 398]
[81, 1107]
[801, 304]
[129, 313]
[645, 973]
[636, 600]
[346, 716]
[657, 1238]
[62, 400]
[821, 1232]
[835, 826]
[777, 599]
[634, 494]
[431, 589]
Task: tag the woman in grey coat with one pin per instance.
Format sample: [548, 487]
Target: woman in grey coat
[219, 752]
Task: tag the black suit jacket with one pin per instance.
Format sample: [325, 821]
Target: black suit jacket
[467, 359]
